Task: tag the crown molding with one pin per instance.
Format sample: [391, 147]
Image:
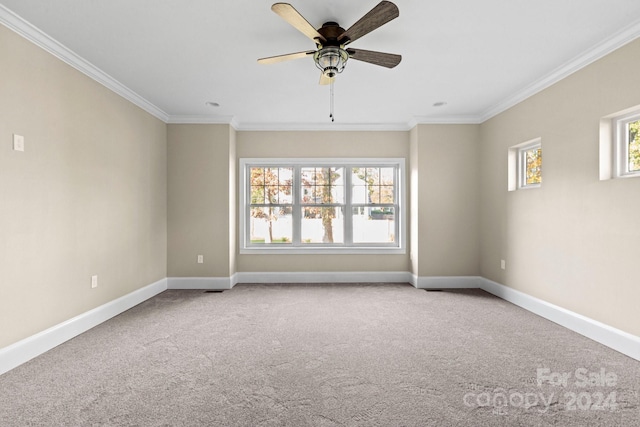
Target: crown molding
[208, 120]
[447, 120]
[377, 127]
[42, 40]
[605, 47]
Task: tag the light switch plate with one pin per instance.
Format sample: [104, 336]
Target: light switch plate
[18, 142]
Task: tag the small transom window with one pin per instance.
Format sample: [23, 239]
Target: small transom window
[627, 145]
[525, 165]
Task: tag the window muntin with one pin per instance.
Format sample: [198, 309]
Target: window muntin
[304, 204]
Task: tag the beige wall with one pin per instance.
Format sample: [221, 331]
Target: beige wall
[86, 197]
[574, 241]
[200, 214]
[446, 168]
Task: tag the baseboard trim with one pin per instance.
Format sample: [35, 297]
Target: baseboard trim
[25, 350]
[204, 283]
[33, 346]
[447, 282]
[616, 339]
[325, 277]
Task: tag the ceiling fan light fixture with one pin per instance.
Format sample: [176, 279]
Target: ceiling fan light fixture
[331, 56]
[331, 60]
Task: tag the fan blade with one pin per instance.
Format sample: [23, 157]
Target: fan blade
[324, 80]
[388, 60]
[280, 58]
[293, 17]
[384, 12]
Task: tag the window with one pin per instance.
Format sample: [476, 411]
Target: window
[525, 165]
[627, 145]
[322, 205]
[620, 144]
[530, 165]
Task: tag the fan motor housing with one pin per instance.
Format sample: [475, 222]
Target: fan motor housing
[331, 31]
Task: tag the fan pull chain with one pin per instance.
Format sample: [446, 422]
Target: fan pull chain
[331, 101]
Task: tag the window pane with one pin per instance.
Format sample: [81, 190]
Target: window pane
[322, 225]
[271, 194]
[322, 185]
[386, 176]
[257, 195]
[373, 225]
[634, 146]
[285, 176]
[359, 186]
[271, 224]
[386, 194]
[533, 165]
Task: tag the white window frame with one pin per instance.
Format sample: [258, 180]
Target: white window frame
[348, 247]
[522, 164]
[621, 144]
[517, 165]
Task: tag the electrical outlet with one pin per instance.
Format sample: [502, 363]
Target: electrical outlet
[200, 259]
[94, 282]
[18, 142]
[503, 264]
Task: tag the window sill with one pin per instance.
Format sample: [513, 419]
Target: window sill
[324, 251]
[530, 186]
[628, 175]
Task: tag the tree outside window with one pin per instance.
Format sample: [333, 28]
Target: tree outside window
[271, 197]
[322, 198]
[533, 166]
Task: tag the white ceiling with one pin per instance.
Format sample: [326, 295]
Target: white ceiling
[480, 57]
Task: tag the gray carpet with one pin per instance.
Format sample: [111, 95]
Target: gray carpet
[325, 355]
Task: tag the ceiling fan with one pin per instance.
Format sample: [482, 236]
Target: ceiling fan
[331, 40]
